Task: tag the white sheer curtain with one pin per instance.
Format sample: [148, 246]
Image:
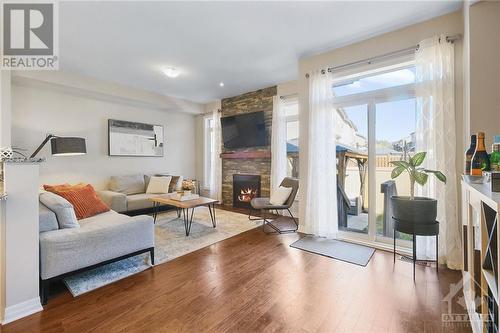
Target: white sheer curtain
[436, 135]
[216, 160]
[321, 177]
[278, 144]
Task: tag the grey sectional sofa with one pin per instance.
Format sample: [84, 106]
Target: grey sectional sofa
[127, 194]
[92, 242]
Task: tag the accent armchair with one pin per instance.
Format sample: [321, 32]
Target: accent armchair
[264, 205]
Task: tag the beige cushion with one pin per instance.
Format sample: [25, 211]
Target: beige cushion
[176, 182]
[140, 201]
[280, 196]
[128, 184]
[158, 185]
[146, 180]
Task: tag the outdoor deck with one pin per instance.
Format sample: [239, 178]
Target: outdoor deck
[358, 223]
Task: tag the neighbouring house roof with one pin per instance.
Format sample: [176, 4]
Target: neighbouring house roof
[345, 148]
[292, 146]
[387, 151]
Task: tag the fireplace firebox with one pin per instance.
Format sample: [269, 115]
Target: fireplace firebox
[245, 188]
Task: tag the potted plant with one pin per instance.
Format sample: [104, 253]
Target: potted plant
[414, 209]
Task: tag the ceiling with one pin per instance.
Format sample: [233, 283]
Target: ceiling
[246, 45]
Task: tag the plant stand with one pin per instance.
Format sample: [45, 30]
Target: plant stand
[417, 229]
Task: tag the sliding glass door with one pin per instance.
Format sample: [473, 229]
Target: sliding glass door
[351, 124]
[395, 124]
[375, 124]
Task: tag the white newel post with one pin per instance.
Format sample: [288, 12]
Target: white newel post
[21, 240]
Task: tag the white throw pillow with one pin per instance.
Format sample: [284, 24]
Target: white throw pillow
[159, 185]
[280, 196]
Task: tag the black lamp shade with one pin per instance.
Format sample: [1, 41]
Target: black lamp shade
[66, 146]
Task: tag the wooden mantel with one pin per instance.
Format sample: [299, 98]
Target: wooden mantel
[246, 155]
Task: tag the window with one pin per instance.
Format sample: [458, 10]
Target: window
[292, 136]
[352, 153]
[375, 82]
[393, 143]
[375, 124]
[208, 151]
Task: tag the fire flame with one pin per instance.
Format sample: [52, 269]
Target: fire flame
[246, 195]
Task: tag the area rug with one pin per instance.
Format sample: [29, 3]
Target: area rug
[170, 242]
[332, 248]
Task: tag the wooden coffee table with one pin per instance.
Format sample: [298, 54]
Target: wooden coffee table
[184, 207]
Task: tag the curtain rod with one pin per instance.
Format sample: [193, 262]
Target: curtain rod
[369, 61]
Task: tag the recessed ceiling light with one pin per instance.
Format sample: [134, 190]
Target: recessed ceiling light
[171, 72]
[221, 84]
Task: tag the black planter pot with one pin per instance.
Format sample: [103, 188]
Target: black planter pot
[418, 210]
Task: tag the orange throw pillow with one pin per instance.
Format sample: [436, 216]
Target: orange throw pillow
[62, 187]
[83, 198]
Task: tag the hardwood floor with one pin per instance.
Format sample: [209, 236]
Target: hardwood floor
[255, 282]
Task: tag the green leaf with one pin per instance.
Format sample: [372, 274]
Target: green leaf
[397, 171]
[439, 175]
[420, 177]
[418, 158]
[402, 164]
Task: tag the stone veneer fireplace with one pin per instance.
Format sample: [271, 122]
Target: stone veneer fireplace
[245, 188]
[248, 161]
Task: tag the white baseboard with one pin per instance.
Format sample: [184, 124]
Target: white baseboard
[21, 310]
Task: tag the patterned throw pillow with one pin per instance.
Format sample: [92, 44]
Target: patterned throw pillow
[83, 198]
[173, 184]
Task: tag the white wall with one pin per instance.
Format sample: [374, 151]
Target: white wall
[400, 39]
[21, 241]
[41, 108]
[5, 108]
[484, 68]
[5, 130]
[466, 73]
[288, 88]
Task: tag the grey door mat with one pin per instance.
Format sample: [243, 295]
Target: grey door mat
[332, 248]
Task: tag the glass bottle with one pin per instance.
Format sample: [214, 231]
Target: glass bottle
[480, 160]
[495, 157]
[469, 153]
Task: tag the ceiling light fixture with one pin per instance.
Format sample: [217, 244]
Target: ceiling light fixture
[171, 72]
[221, 84]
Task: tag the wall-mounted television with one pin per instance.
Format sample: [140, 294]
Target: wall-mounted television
[244, 130]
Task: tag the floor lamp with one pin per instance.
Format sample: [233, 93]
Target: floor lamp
[63, 146]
